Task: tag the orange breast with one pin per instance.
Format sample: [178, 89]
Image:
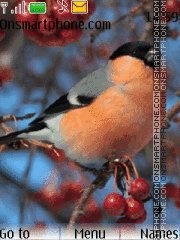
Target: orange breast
[115, 120]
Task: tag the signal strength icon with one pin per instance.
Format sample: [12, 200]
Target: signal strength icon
[20, 9]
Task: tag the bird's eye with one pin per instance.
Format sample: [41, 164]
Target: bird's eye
[134, 53]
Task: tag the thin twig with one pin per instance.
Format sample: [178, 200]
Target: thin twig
[99, 182]
[9, 118]
[147, 32]
[133, 12]
[5, 128]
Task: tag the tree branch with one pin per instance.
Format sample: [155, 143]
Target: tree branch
[99, 182]
[8, 118]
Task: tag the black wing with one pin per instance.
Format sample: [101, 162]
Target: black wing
[62, 104]
[82, 94]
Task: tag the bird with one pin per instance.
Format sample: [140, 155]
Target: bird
[109, 110]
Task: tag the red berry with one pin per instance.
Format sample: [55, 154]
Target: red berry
[139, 189]
[54, 200]
[71, 191]
[26, 17]
[57, 201]
[92, 213]
[171, 6]
[6, 74]
[114, 204]
[178, 6]
[171, 190]
[46, 23]
[135, 209]
[177, 203]
[177, 194]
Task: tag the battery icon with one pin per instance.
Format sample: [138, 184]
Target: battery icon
[37, 7]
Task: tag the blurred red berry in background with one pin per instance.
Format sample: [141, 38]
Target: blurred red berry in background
[53, 199]
[92, 213]
[55, 29]
[2, 34]
[172, 6]
[71, 191]
[6, 73]
[171, 190]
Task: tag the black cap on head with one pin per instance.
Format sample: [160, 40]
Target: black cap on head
[140, 50]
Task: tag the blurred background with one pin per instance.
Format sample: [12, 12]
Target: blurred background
[37, 68]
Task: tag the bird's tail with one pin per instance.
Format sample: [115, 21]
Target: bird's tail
[11, 137]
[25, 133]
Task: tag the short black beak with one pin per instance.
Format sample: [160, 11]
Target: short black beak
[149, 57]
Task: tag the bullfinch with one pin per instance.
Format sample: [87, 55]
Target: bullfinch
[109, 110]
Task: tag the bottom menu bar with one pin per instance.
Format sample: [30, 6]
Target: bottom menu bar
[107, 232]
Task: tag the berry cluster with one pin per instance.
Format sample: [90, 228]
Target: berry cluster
[68, 193]
[54, 37]
[56, 199]
[130, 209]
[173, 192]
